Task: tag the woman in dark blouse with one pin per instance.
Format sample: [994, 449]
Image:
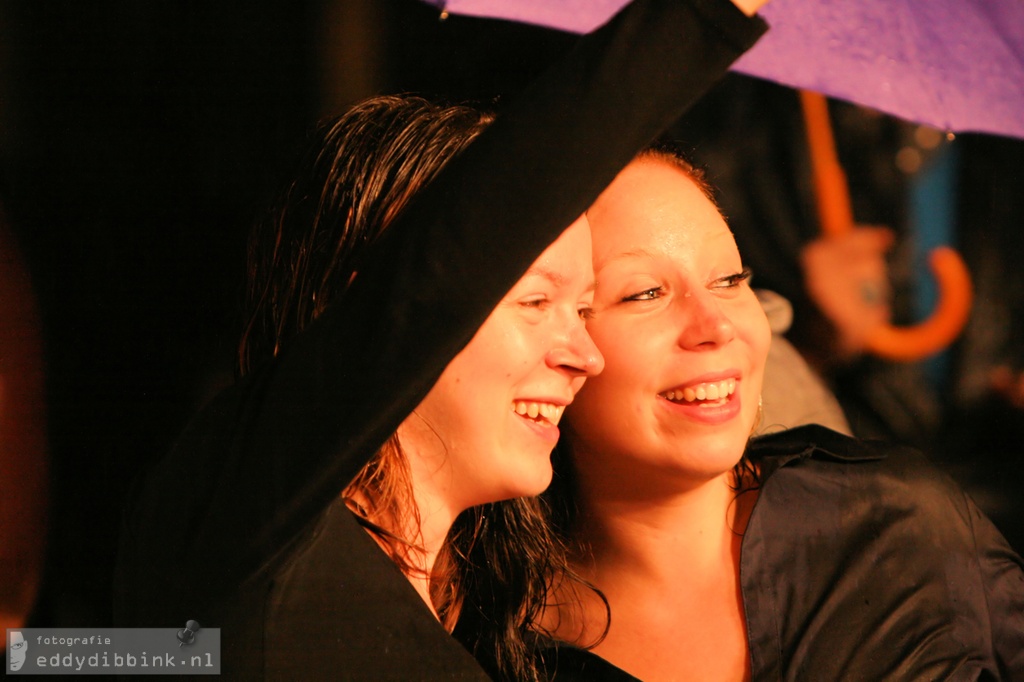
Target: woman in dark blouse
[804, 555]
[256, 522]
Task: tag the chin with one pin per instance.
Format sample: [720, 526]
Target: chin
[531, 483]
[538, 484]
[721, 452]
[520, 483]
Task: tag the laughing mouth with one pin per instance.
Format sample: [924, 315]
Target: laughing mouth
[540, 412]
[710, 393]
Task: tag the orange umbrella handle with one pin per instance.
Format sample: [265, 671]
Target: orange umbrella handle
[945, 324]
[836, 216]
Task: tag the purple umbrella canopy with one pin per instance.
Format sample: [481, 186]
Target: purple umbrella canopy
[956, 65]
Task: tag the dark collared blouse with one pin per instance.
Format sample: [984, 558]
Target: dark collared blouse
[863, 562]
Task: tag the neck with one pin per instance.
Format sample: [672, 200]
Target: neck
[435, 506]
[692, 531]
[666, 557]
[642, 552]
[418, 544]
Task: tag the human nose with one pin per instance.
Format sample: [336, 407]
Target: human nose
[706, 325]
[577, 353]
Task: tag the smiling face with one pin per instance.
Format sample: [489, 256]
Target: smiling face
[682, 333]
[486, 429]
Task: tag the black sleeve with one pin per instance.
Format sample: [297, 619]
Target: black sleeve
[268, 456]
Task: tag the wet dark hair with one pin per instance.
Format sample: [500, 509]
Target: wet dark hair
[508, 550]
[362, 169]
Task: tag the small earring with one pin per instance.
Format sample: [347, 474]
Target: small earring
[760, 416]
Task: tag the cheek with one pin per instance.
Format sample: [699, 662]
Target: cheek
[498, 350]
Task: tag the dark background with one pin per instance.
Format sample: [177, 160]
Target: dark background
[138, 141]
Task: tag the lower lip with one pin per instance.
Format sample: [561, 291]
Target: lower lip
[718, 414]
[544, 429]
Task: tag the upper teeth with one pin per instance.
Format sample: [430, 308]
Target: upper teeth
[708, 391]
[548, 411]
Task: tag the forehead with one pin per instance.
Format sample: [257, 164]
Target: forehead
[654, 207]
